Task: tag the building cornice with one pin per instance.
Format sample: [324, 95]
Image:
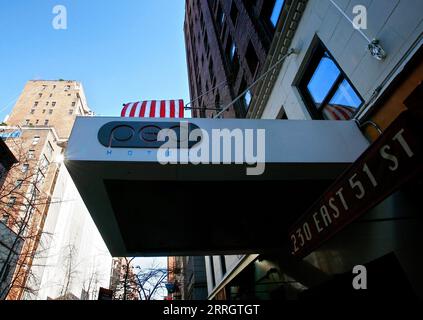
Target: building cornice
[285, 31]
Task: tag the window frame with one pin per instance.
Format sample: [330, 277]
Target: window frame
[309, 68]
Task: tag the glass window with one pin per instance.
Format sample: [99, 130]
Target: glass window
[326, 90]
[323, 79]
[31, 154]
[276, 12]
[233, 51]
[234, 13]
[247, 99]
[35, 140]
[12, 201]
[18, 184]
[25, 168]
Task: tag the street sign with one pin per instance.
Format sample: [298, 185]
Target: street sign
[392, 160]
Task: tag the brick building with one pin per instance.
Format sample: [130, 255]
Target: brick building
[36, 132]
[226, 45]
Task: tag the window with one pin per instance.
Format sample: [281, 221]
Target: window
[27, 122]
[50, 95]
[35, 104]
[73, 104]
[44, 111]
[232, 51]
[326, 90]
[40, 95]
[18, 184]
[53, 104]
[44, 87]
[25, 168]
[11, 202]
[70, 111]
[50, 111]
[37, 121]
[35, 140]
[213, 276]
[234, 13]
[252, 59]
[54, 87]
[223, 264]
[247, 97]
[31, 154]
[44, 163]
[220, 16]
[46, 122]
[47, 103]
[49, 150]
[67, 88]
[32, 111]
[276, 12]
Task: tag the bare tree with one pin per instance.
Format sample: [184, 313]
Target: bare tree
[71, 268]
[141, 283]
[23, 207]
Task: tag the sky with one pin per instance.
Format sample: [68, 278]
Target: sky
[122, 51]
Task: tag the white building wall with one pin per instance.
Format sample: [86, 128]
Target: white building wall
[70, 238]
[396, 23]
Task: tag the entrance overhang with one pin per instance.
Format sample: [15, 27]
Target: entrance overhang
[145, 208]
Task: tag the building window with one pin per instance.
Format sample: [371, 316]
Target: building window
[232, 51]
[67, 88]
[44, 87]
[40, 95]
[247, 96]
[276, 12]
[53, 104]
[37, 121]
[11, 202]
[27, 122]
[47, 103]
[31, 154]
[223, 264]
[25, 168]
[18, 184]
[252, 59]
[50, 95]
[32, 111]
[35, 140]
[213, 276]
[44, 163]
[220, 16]
[234, 13]
[54, 87]
[44, 111]
[46, 122]
[73, 104]
[326, 90]
[49, 150]
[35, 104]
[70, 111]
[50, 111]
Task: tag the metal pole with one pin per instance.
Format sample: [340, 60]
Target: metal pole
[291, 51]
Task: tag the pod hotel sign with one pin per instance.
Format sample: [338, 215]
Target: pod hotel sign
[392, 160]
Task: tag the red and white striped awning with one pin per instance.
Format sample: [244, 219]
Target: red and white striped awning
[154, 109]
